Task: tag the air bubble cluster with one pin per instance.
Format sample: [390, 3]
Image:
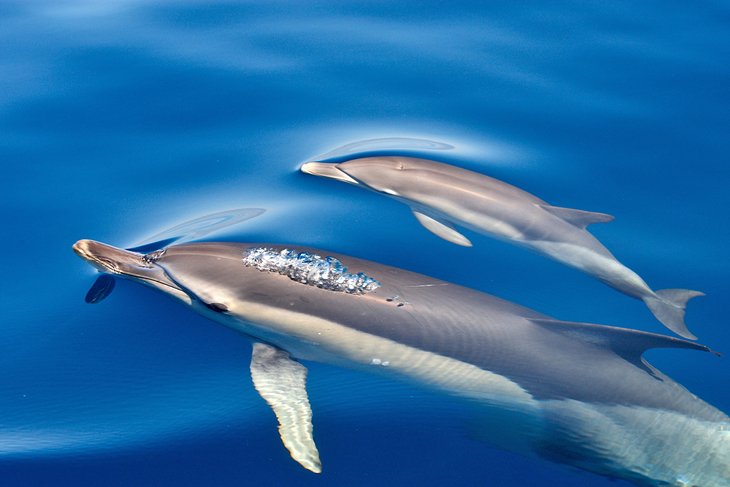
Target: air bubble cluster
[311, 269]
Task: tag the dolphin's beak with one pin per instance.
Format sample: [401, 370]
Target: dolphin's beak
[124, 263]
[327, 170]
[106, 258]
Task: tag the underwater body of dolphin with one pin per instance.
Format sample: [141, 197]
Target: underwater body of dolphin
[573, 393]
[441, 194]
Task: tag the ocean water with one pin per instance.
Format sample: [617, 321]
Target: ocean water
[119, 120]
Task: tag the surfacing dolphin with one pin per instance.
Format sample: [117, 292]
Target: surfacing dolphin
[441, 194]
[574, 393]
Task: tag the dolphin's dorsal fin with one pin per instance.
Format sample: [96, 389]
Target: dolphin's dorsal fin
[629, 344]
[441, 229]
[578, 218]
[281, 381]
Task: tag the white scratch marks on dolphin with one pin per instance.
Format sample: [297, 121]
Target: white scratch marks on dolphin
[429, 285]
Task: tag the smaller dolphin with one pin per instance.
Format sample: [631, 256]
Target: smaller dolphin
[441, 195]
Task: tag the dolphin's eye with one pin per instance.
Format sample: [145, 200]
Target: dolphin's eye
[217, 307]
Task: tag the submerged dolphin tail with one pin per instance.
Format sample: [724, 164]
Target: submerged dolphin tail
[668, 306]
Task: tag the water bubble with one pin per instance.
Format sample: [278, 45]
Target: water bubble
[312, 269]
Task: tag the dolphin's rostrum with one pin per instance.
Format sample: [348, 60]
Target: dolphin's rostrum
[574, 393]
[441, 195]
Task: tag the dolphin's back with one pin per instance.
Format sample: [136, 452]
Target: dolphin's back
[432, 170]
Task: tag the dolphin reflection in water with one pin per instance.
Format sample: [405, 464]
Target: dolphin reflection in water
[574, 393]
[441, 195]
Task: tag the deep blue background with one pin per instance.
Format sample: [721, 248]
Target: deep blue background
[120, 119]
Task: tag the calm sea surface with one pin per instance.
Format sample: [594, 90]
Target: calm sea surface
[121, 119]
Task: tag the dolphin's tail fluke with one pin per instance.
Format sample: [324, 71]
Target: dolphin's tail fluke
[668, 306]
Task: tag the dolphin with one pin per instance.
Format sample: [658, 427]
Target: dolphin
[441, 195]
[573, 393]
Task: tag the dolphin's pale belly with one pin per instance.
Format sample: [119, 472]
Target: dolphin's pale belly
[601, 437]
[334, 343]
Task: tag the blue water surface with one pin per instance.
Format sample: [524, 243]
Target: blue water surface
[121, 119]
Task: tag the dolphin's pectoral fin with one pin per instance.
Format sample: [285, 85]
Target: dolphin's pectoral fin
[578, 218]
[281, 381]
[629, 344]
[102, 287]
[441, 229]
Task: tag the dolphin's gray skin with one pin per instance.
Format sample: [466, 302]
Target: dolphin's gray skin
[440, 195]
[573, 393]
